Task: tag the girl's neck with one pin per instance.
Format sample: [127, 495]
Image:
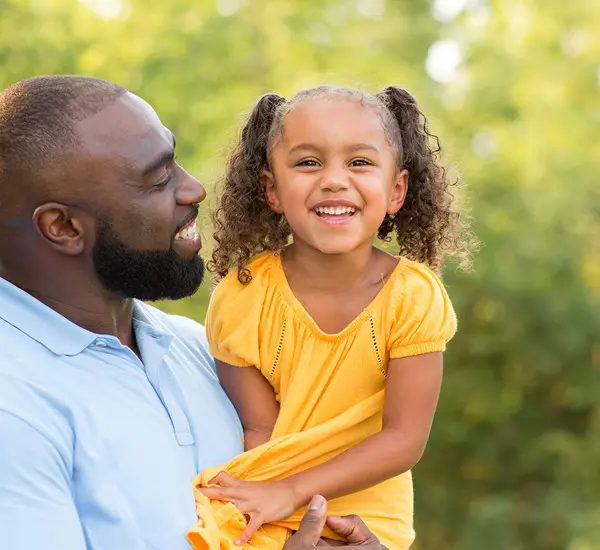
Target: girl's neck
[329, 272]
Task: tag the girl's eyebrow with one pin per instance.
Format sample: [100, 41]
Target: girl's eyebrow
[363, 146]
[353, 147]
[304, 147]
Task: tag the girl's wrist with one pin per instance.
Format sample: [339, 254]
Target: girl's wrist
[298, 490]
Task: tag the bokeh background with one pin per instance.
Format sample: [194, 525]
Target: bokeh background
[513, 89]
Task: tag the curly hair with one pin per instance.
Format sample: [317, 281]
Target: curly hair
[427, 228]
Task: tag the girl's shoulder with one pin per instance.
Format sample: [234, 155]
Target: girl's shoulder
[231, 290]
[419, 309]
[412, 276]
[235, 312]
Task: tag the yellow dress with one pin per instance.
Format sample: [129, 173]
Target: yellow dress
[330, 388]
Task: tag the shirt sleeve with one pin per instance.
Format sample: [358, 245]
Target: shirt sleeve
[232, 322]
[425, 320]
[36, 505]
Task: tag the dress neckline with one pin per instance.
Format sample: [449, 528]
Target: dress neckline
[290, 297]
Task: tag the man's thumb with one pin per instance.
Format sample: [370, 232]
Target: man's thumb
[312, 524]
[352, 529]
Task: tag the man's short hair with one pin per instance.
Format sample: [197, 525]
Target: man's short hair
[37, 121]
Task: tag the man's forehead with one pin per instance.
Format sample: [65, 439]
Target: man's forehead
[129, 128]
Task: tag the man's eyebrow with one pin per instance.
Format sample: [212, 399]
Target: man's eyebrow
[162, 158]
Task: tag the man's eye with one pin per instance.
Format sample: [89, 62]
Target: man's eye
[159, 186]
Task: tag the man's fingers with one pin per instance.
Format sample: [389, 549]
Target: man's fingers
[352, 529]
[311, 526]
[253, 525]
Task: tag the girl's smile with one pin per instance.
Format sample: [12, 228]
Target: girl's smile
[335, 212]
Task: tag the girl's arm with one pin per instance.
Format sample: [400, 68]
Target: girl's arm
[254, 400]
[412, 391]
[411, 396]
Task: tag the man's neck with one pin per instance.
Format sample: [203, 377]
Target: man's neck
[83, 302]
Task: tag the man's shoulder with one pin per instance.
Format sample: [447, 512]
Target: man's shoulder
[31, 385]
[19, 349]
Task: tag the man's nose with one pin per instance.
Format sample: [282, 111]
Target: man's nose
[190, 191]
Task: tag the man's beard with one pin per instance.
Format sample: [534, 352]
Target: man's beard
[146, 275]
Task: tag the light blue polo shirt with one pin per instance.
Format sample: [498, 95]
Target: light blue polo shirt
[97, 449]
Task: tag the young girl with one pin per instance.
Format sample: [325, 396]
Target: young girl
[329, 348]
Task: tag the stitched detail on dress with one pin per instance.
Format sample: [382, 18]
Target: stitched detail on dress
[279, 348]
[376, 347]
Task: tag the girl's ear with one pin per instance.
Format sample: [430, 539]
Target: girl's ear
[267, 181]
[398, 192]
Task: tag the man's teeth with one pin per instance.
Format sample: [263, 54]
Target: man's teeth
[335, 210]
[187, 233]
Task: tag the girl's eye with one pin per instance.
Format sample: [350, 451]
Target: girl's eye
[360, 162]
[308, 162]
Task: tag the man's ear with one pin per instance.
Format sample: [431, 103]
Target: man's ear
[269, 186]
[57, 225]
[399, 191]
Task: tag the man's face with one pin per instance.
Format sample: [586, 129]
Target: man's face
[143, 274]
[144, 204]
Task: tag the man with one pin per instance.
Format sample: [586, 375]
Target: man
[108, 407]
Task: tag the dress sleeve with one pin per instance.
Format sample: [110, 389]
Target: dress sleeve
[232, 322]
[424, 318]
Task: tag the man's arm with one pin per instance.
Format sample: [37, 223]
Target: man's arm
[36, 505]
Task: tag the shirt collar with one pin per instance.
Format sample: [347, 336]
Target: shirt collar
[42, 323]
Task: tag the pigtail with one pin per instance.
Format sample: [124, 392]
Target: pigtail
[244, 223]
[426, 227]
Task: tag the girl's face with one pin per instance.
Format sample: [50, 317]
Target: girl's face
[333, 175]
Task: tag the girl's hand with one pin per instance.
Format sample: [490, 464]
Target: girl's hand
[260, 502]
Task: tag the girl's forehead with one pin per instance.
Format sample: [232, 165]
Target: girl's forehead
[333, 116]
[332, 107]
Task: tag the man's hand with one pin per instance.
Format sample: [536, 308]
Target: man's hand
[352, 529]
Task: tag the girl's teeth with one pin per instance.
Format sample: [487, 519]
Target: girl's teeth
[335, 210]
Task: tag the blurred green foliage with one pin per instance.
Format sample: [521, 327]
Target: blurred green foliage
[514, 90]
